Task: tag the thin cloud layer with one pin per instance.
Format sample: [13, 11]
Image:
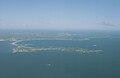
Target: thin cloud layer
[107, 24]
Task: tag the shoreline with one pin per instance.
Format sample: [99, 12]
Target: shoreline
[15, 43]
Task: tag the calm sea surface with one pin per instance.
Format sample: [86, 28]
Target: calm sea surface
[52, 64]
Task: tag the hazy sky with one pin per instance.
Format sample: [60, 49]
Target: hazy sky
[60, 14]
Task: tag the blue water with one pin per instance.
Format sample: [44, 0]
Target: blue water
[51, 64]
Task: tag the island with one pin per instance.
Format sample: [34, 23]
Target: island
[23, 48]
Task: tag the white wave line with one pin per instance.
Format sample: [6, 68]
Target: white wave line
[15, 42]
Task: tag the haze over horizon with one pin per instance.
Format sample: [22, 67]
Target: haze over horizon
[60, 14]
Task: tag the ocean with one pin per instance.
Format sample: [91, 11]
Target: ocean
[55, 64]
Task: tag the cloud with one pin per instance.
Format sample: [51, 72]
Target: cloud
[107, 24]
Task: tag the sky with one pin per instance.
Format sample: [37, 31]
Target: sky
[60, 14]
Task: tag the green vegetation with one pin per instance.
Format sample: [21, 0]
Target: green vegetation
[50, 48]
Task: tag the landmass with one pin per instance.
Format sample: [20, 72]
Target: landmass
[29, 35]
[15, 37]
[23, 48]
